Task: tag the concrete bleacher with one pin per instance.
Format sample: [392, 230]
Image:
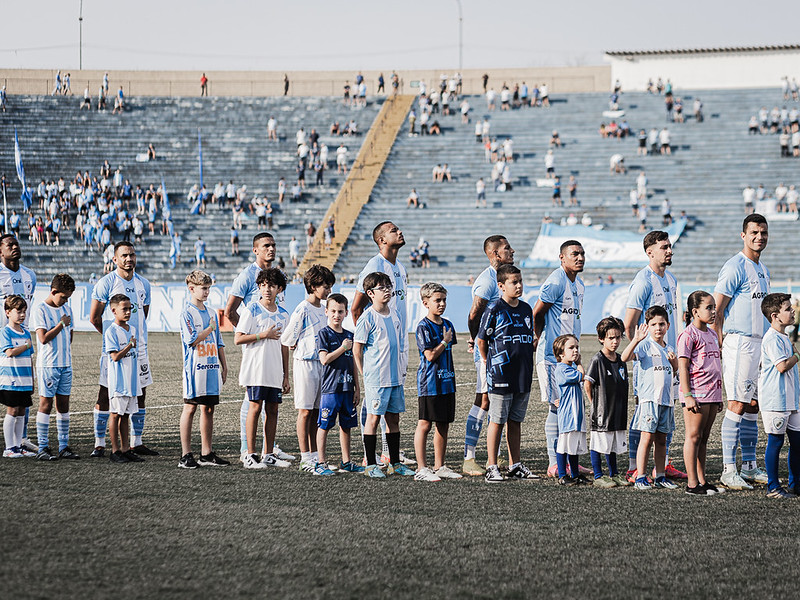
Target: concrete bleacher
[58, 140]
[711, 163]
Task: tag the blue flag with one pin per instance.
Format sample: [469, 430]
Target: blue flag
[26, 194]
[200, 156]
[165, 195]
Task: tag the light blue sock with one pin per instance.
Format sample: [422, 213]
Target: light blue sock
[100, 426]
[748, 436]
[730, 437]
[25, 426]
[137, 427]
[62, 427]
[634, 435]
[551, 435]
[42, 430]
[473, 434]
[243, 411]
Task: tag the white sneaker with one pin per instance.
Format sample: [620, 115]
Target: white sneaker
[426, 474]
[308, 466]
[29, 445]
[251, 462]
[12, 453]
[733, 481]
[757, 475]
[445, 472]
[408, 461]
[270, 460]
[281, 454]
[27, 453]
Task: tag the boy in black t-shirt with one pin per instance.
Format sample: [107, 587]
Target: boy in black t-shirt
[606, 383]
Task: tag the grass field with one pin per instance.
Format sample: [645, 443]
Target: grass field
[93, 529]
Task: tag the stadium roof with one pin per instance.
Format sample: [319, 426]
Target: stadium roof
[775, 48]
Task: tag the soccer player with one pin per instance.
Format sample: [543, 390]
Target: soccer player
[505, 341]
[205, 369]
[52, 322]
[571, 427]
[652, 286]
[557, 312]
[485, 292]
[743, 282]
[18, 280]
[123, 280]
[300, 334]
[16, 374]
[436, 383]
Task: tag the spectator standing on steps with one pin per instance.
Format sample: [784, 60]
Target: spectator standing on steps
[204, 85]
[285, 84]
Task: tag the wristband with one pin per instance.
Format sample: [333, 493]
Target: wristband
[258, 337]
[688, 395]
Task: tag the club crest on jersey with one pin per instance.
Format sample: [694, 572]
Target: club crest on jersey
[528, 322]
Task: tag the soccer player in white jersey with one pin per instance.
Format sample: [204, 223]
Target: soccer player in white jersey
[122, 280]
[52, 322]
[653, 286]
[557, 312]
[16, 280]
[243, 292]
[742, 284]
[389, 239]
[307, 320]
[485, 292]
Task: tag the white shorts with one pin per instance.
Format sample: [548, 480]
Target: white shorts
[481, 385]
[307, 376]
[571, 442]
[778, 422]
[546, 373]
[741, 357]
[145, 376]
[606, 442]
[123, 405]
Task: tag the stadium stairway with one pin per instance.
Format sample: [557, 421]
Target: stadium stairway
[57, 139]
[711, 163]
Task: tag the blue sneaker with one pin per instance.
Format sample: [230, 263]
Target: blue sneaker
[350, 467]
[374, 472]
[642, 484]
[321, 468]
[663, 482]
[400, 469]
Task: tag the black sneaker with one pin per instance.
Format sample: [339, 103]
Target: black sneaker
[68, 454]
[212, 460]
[583, 480]
[98, 452]
[187, 461]
[143, 450]
[567, 481]
[46, 455]
[712, 489]
[698, 490]
[520, 472]
[132, 456]
[118, 457]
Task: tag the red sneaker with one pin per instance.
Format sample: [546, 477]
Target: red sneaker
[674, 473]
[631, 475]
[552, 471]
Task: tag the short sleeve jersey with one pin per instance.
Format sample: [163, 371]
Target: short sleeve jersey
[564, 316]
[138, 292]
[397, 273]
[57, 352]
[508, 331]
[777, 392]
[649, 289]
[486, 287]
[305, 324]
[570, 406]
[262, 361]
[701, 348]
[746, 283]
[609, 381]
[654, 379]
[383, 339]
[438, 377]
[16, 283]
[244, 286]
[16, 372]
[202, 375]
[338, 375]
[123, 374]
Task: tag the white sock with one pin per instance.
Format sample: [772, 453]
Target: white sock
[748, 465]
[729, 468]
[315, 457]
[305, 457]
[19, 430]
[8, 431]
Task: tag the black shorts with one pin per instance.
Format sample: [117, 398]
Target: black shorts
[556, 194]
[440, 409]
[643, 143]
[203, 400]
[262, 220]
[15, 399]
[260, 393]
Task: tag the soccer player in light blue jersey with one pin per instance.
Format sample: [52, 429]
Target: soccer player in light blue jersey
[205, 369]
[16, 375]
[743, 282]
[52, 322]
[571, 422]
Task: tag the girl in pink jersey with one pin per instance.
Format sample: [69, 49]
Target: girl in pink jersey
[700, 370]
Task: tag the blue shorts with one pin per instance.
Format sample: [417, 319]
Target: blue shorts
[55, 381]
[654, 418]
[382, 400]
[340, 404]
[260, 393]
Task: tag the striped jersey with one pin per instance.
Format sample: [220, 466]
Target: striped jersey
[648, 289]
[564, 316]
[57, 352]
[338, 375]
[777, 392]
[570, 405]
[746, 283]
[397, 273]
[384, 342]
[138, 292]
[123, 374]
[486, 287]
[16, 372]
[16, 283]
[202, 374]
[654, 378]
[305, 324]
[438, 377]
[244, 286]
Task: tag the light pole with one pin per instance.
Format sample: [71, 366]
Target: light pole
[80, 37]
[460, 40]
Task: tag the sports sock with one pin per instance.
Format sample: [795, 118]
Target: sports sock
[473, 433]
[384, 443]
[730, 437]
[243, 425]
[561, 461]
[8, 431]
[25, 424]
[363, 421]
[393, 441]
[551, 436]
[573, 465]
[100, 426]
[771, 456]
[305, 457]
[634, 435]
[669, 442]
[370, 443]
[137, 427]
[749, 465]
[597, 464]
[611, 459]
[19, 430]
[315, 457]
[42, 430]
[748, 436]
[794, 456]
[62, 427]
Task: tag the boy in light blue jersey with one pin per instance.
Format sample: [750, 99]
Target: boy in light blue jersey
[16, 375]
[379, 343]
[52, 322]
[779, 390]
[205, 369]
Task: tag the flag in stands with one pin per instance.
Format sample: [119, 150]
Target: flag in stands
[164, 195]
[26, 194]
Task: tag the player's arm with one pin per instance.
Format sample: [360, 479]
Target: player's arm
[431, 354]
[588, 386]
[285, 361]
[46, 335]
[326, 357]
[96, 315]
[232, 308]
[641, 333]
[204, 333]
[17, 350]
[122, 352]
[223, 363]
[360, 302]
[358, 354]
[721, 301]
[632, 316]
[539, 311]
[475, 313]
[686, 391]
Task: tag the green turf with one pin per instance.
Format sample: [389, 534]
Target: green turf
[94, 529]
